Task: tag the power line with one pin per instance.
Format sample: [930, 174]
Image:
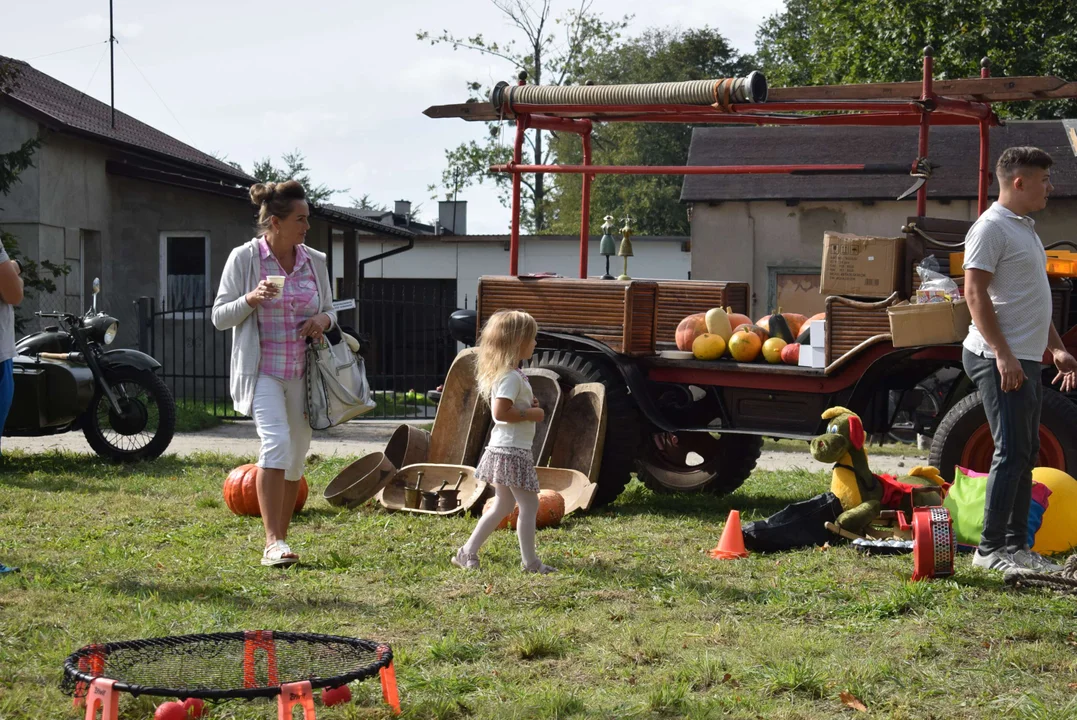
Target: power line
[189, 138]
[61, 52]
[92, 76]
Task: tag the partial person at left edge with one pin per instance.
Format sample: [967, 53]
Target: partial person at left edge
[10, 296]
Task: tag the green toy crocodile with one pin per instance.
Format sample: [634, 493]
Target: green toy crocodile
[862, 493]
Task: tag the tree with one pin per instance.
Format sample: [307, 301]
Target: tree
[363, 202]
[816, 42]
[295, 168]
[653, 201]
[546, 61]
[38, 278]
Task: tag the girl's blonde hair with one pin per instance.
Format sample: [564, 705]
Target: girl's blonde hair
[499, 346]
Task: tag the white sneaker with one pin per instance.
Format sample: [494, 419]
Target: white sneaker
[1029, 560]
[999, 560]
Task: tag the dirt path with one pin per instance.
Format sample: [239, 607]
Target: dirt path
[233, 438]
[355, 438]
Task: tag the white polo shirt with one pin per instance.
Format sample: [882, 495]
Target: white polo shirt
[1006, 245]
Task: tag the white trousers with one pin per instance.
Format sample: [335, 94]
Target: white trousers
[280, 415]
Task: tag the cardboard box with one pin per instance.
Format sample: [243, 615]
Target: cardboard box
[861, 266]
[929, 324]
[812, 357]
[817, 333]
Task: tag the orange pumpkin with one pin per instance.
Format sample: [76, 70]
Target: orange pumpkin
[796, 322]
[241, 491]
[791, 354]
[759, 332]
[550, 511]
[736, 319]
[745, 346]
[689, 329]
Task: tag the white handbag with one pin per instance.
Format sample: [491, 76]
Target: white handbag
[337, 388]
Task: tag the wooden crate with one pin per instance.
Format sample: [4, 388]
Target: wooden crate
[677, 299]
[619, 314]
[851, 323]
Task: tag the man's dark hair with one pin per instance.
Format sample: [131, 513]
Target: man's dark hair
[1012, 160]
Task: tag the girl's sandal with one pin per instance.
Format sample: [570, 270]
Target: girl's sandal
[539, 567]
[467, 561]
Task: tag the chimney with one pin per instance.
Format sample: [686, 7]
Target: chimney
[403, 207]
[453, 216]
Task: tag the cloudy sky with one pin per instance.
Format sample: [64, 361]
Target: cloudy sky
[345, 81]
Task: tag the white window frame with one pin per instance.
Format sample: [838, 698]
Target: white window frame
[163, 267]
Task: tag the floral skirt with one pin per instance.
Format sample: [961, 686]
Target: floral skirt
[512, 467]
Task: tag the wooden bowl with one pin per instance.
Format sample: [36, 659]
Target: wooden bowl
[407, 446]
[360, 481]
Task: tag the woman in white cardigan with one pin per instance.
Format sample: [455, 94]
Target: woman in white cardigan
[271, 324]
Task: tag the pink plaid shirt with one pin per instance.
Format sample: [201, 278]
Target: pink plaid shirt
[283, 351]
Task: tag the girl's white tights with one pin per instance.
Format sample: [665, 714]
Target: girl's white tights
[504, 500]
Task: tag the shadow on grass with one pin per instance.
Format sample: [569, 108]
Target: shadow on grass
[699, 506]
[59, 471]
[195, 592]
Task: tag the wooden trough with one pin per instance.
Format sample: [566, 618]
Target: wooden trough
[471, 489]
[546, 386]
[462, 417]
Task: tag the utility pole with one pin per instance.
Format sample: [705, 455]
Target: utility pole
[112, 62]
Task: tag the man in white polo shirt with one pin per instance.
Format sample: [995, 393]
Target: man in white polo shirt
[1010, 300]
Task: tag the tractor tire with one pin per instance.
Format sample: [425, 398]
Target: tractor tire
[727, 461]
[964, 437]
[622, 424]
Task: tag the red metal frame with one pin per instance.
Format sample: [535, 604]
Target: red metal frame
[929, 110]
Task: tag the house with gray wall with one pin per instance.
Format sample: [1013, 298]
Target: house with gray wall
[150, 215]
[768, 229]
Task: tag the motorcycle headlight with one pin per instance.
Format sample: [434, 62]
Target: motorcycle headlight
[103, 329]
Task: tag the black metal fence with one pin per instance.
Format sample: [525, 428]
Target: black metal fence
[403, 325]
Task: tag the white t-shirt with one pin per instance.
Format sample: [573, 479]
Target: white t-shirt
[513, 386]
[1006, 245]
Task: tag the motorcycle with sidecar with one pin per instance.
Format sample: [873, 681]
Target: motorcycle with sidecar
[65, 380]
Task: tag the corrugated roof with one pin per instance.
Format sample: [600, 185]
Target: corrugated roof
[65, 108]
[954, 148]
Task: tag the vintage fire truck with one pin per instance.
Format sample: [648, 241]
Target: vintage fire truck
[691, 425]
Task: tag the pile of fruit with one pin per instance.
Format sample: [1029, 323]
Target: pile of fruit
[720, 333]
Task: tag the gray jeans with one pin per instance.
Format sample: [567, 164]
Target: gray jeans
[1014, 418]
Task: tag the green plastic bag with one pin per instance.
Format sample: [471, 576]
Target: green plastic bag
[965, 501]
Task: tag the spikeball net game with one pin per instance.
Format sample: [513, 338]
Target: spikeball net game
[237, 665]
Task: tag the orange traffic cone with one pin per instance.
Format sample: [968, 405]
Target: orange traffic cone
[731, 544]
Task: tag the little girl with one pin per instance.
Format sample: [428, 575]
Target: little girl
[508, 338]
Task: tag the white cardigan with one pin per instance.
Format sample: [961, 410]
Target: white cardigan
[241, 275]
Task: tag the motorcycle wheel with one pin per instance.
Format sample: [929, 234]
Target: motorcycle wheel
[144, 428]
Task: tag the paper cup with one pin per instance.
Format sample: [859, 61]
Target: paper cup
[277, 280]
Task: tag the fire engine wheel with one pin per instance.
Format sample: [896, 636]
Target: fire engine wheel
[697, 461]
[622, 418]
[964, 437]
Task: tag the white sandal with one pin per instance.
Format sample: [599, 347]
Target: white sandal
[276, 555]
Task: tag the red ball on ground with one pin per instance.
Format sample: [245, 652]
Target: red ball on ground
[336, 696]
[170, 711]
[195, 708]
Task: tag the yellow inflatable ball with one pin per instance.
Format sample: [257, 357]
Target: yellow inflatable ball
[1058, 533]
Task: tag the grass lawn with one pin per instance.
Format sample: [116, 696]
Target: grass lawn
[891, 449]
[639, 623]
